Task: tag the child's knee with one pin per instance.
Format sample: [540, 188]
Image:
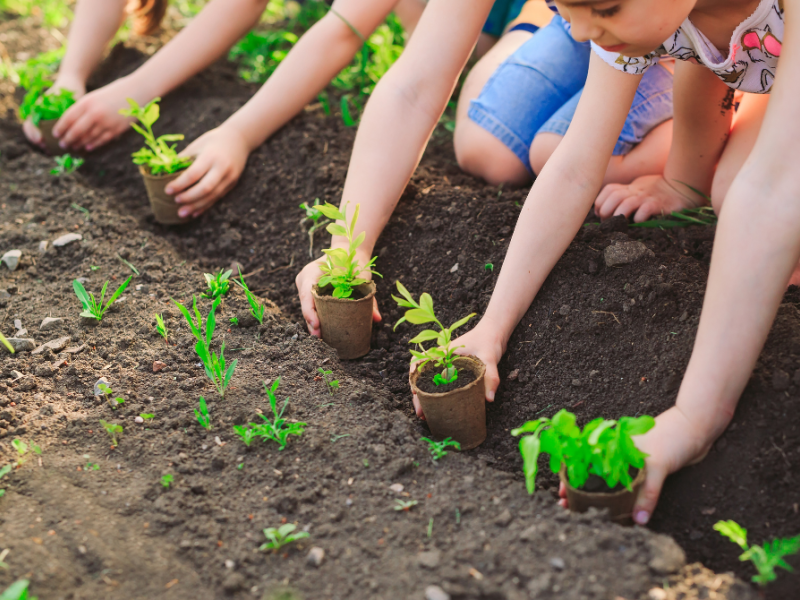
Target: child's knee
[482, 155]
[542, 149]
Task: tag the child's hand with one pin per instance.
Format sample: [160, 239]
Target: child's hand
[647, 196]
[307, 279]
[220, 157]
[30, 130]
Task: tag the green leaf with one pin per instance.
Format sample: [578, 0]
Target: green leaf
[331, 211]
[418, 316]
[424, 336]
[529, 448]
[733, 531]
[461, 322]
[335, 229]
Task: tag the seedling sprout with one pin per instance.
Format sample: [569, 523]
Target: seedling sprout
[764, 558]
[65, 165]
[438, 448]
[147, 416]
[278, 430]
[279, 537]
[6, 343]
[91, 307]
[442, 354]
[113, 430]
[3, 472]
[41, 106]
[257, 308]
[234, 321]
[218, 284]
[405, 505]
[201, 414]
[17, 591]
[161, 327]
[317, 219]
[159, 157]
[333, 384]
[166, 480]
[23, 451]
[114, 402]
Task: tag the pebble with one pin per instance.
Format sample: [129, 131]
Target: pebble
[666, 555]
[11, 258]
[21, 344]
[43, 246]
[503, 519]
[97, 390]
[429, 559]
[229, 564]
[54, 345]
[158, 366]
[625, 253]
[315, 557]
[657, 594]
[434, 592]
[139, 420]
[75, 349]
[50, 323]
[513, 375]
[67, 238]
[396, 487]
[558, 564]
[454, 268]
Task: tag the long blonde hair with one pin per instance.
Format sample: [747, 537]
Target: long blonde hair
[147, 15]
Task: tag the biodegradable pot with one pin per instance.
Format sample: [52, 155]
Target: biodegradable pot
[461, 413]
[50, 142]
[163, 205]
[619, 504]
[345, 323]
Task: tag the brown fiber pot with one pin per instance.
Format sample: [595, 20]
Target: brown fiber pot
[619, 504]
[346, 324]
[164, 206]
[50, 142]
[459, 414]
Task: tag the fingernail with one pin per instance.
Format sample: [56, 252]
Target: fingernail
[168, 190]
[183, 213]
[642, 517]
[62, 145]
[490, 396]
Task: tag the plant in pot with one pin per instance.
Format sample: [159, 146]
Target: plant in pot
[158, 162]
[449, 387]
[600, 466]
[45, 109]
[343, 297]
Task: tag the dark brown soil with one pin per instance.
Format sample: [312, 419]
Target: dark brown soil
[426, 383]
[599, 341]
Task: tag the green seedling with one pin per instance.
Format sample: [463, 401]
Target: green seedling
[6, 344]
[17, 591]
[66, 165]
[279, 537]
[278, 430]
[113, 430]
[604, 448]
[764, 558]
[438, 448]
[90, 466]
[341, 269]
[430, 528]
[327, 377]
[147, 416]
[129, 265]
[240, 466]
[218, 284]
[488, 267]
[94, 267]
[161, 328]
[91, 307]
[335, 438]
[442, 354]
[159, 157]
[257, 309]
[201, 414]
[114, 402]
[86, 214]
[166, 480]
[234, 321]
[214, 364]
[24, 450]
[314, 216]
[3, 472]
[405, 505]
[41, 106]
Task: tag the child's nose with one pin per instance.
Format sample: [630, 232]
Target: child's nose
[584, 29]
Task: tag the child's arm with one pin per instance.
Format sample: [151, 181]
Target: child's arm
[317, 57]
[756, 248]
[94, 119]
[702, 123]
[397, 122]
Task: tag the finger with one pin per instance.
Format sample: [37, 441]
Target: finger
[649, 208]
[605, 193]
[418, 407]
[209, 200]
[101, 140]
[491, 381]
[304, 286]
[95, 132]
[649, 494]
[77, 131]
[197, 172]
[630, 205]
[32, 132]
[563, 503]
[376, 313]
[613, 201]
[562, 490]
[69, 118]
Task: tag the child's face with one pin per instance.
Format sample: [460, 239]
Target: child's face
[630, 27]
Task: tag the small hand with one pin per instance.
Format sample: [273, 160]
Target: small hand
[647, 196]
[78, 90]
[220, 157]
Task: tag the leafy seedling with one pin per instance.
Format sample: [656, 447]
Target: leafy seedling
[24, 450]
[6, 343]
[488, 267]
[65, 165]
[218, 284]
[166, 480]
[341, 269]
[3, 472]
[314, 216]
[91, 307]
[201, 414]
[438, 448]
[234, 321]
[114, 402]
[161, 328]
[90, 466]
[113, 430]
[604, 448]
[257, 308]
[41, 106]
[279, 537]
[278, 430]
[147, 416]
[159, 157]
[327, 377]
[764, 558]
[17, 591]
[405, 505]
[442, 354]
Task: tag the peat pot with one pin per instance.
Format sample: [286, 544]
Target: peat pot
[50, 143]
[346, 323]
[164, 207]
[460, 413]
[619, 504]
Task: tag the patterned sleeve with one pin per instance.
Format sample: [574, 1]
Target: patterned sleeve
[635, 65]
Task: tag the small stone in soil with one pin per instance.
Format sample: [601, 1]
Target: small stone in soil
[139, 420]
[503, 519]
[454, 268]
[56, 345]
[50, 323]
[315, 556]
[513, 375]
[434, 592]
[429, 559]
[625, 253]
[396, 487]
[43, 246]
[21, 344]
[67, 239]
[97, 390]
[558, 564]
[11, 259]
[158, 366]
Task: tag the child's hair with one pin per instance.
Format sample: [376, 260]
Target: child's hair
[147, 15]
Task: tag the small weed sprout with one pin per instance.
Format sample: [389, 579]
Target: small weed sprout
[405, 505]
[317, 220]
[161, 328]
[234, 321]
[438, 448]
[201, 414]
[17, 591]
[3, 472]
[218, 284]
[279, 537]
[24, 450]
[764, 558]
[333, 384]
[159, 157]
[113, 402]
[147, 416]
[166, 480]
[442, 354]
[91, 307]
[341, 270]
[6, 344]
[488, 267]
[257, 308]
[66, 165]
[277, 430]
[113, 430]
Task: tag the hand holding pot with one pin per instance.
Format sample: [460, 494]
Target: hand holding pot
[31, 131]
[220, 157]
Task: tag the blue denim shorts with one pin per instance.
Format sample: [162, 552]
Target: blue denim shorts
[536, 90]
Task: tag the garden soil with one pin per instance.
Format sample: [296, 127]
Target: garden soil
[597, 341]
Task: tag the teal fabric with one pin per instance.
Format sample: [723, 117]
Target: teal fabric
[502, 13]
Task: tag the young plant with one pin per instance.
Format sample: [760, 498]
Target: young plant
[23, 451]
[91, 307]
[218, 284]
[41, 106]
[405, 505]
[201, 414]
[277, 430]
[113, 430]
[214, 364]
[333, 384]
[159, 157]
[235, 321]
[438, 448]
[66, 165]
[6, 343]
[764, 558]
[279, 537]
[166, 480]
[341, 269]
[257, 309]
[17, 591]
[161, 328]
[442, 354]
[114, 402]
[3, 472]
[317, 220]
[147, 416]
[604, 448]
